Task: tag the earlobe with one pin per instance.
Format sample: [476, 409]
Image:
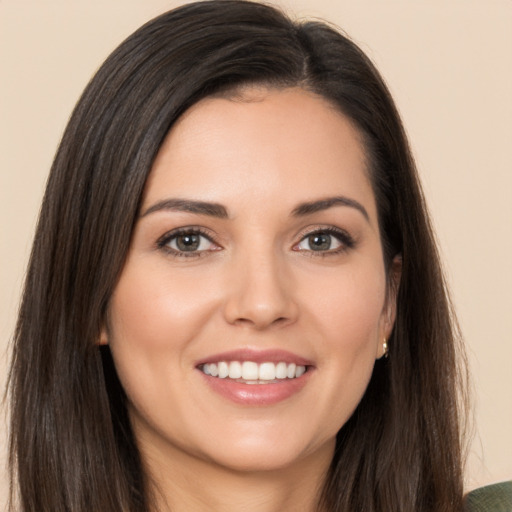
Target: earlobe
[103, 337]
[389, 313]
[385, 349]
[382, 349]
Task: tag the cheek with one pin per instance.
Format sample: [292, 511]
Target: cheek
[152, 319]
[145, 317]
[346, 318]
[153, 310]
[348, 307]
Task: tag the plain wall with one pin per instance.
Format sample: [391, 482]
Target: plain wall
[449, 66]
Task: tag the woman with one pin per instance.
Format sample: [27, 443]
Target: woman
[181, 347]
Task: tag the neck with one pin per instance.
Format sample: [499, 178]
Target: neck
[182, 484]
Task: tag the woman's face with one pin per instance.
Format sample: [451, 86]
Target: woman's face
[256, 256]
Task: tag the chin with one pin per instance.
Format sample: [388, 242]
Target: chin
[262, 455]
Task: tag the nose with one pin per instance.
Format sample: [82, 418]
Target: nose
[261, 293]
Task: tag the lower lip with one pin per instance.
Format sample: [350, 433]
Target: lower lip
[256, 394]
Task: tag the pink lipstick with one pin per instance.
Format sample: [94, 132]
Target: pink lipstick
[252, 377]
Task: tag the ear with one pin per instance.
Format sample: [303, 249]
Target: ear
[103, 337]
[390, 306]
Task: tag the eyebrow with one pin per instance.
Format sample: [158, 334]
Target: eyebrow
[219, 211]
[188, 205]
[329, 202]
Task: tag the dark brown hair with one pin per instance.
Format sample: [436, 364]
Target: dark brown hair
[71, 445]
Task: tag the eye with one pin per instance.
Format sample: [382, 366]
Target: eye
[325, 241]
[187, 242]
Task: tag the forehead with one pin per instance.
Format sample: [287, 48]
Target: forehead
[288, 145]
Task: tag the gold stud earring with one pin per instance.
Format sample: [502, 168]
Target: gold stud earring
[385, 348]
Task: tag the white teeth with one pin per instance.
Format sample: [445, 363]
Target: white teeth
[299, 371]
[267, 371]
[249, 370]
[281, 371]
[213, 370]
[235, 370]
[223, 369]
[253, 373]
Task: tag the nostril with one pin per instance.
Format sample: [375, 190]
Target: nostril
[260, 323]
[258, 306]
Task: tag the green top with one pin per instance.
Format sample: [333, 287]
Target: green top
[492, 498]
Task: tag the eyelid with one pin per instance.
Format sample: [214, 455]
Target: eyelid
[346, 240]
[343, 236]
[163, 241]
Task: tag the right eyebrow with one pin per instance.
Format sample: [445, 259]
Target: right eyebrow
[329, 202]
[188, 205]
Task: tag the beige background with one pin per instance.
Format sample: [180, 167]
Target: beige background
[448, 64]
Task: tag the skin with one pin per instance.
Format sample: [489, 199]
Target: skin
[255, 283]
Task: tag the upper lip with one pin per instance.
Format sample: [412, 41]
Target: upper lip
[257, 356]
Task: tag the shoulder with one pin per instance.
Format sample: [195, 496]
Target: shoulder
[492, 498]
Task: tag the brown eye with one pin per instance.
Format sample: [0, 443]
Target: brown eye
[187, 242]
[319, 242]
[325, 241]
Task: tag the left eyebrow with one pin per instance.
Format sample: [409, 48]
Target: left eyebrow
[324, 204]
[188, 205]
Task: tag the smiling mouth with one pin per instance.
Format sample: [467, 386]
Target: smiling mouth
[250, 372]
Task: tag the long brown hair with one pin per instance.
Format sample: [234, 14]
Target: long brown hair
[71, 445]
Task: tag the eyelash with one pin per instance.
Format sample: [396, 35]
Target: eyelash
[163, 241]
[345, 239]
